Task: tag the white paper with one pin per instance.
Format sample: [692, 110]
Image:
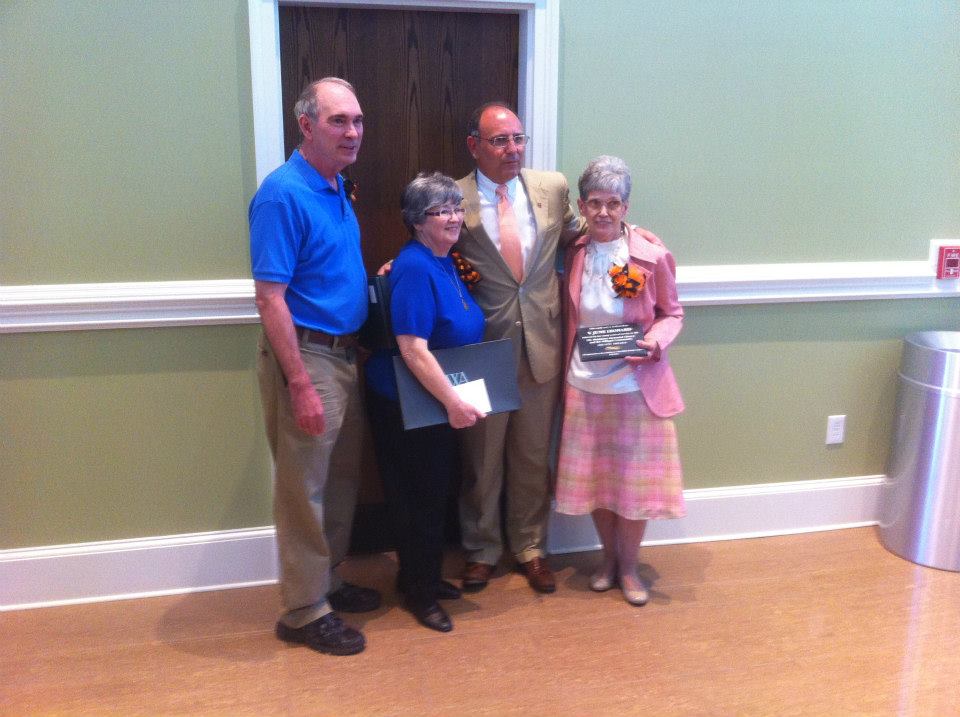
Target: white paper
[475, 393]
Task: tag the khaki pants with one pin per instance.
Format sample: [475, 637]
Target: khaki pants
[316, 477]
[509, 453]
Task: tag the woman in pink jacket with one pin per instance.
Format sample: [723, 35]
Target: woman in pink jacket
[618, 452]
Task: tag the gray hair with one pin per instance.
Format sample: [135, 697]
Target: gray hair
[605, 174]
[307, 103]
[425, 191]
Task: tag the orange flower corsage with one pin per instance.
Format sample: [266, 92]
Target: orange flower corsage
[469, 275]
[628, 281]
[350, 189]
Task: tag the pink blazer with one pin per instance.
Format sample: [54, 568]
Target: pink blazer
[656, 308]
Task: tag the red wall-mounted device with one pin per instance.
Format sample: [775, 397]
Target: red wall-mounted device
[948, 262]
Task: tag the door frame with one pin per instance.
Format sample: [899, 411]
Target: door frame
[538, 71]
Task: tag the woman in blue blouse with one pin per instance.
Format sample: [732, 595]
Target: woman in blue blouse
[431, 308]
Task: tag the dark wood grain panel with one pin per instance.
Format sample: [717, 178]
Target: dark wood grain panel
[418, 74]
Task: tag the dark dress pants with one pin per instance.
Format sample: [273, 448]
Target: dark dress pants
[418, 469]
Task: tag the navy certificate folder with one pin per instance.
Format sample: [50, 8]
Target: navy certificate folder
[493, 361]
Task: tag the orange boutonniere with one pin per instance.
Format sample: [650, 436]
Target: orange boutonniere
[628, 281]
[469, 275]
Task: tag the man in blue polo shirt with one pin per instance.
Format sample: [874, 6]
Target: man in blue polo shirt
[311, 292]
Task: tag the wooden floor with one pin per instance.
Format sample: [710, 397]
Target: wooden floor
[816, 624]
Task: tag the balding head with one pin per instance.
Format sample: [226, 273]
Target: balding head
[307, 103]
[331, 124]
[497, 122]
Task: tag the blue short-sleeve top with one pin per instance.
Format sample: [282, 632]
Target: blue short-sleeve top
[427, 299]
[304, 233]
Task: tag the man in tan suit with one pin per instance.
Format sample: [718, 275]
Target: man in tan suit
[515, 220]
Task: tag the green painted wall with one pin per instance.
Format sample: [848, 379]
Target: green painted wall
[759, 382]
[810, 130]
[119, 434]
[122, 434]
[759, 131]
[126, 137]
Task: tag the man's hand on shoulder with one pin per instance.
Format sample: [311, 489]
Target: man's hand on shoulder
[307, 408]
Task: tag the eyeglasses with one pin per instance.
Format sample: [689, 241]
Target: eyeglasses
[447, 212]
[502, 140]
[614, 205]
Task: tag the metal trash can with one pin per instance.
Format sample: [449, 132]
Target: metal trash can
[920, 509]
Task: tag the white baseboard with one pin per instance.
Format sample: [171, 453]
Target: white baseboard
[749, 511]
[144, 567]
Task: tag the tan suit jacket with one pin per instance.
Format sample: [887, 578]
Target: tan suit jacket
[529, 313]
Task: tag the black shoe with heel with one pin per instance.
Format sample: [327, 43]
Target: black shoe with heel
[430, 614]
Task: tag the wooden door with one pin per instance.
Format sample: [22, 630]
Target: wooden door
[418, 76]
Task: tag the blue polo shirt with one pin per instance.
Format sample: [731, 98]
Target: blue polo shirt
[429, 300]
[303, 233]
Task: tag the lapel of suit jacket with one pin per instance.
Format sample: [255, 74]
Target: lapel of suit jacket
[539, 199]
[474, 227]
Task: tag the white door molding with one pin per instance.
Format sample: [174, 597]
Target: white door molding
[538, 70]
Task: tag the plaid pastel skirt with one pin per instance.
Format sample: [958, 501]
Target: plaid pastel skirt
[615, 454]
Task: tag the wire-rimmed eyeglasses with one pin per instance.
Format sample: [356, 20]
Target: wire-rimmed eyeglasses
[502, 140]
[447, 212]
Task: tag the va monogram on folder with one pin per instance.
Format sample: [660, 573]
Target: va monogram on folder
[484, 374]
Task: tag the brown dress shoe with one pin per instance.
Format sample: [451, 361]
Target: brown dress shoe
[539, 575]
[476, 576]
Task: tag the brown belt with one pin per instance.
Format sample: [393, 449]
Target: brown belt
[311, 336]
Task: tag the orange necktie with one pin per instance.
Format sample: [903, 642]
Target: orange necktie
[509, 234]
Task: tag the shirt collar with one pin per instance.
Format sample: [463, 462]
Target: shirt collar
[417, 245]
[313, 178]
[488, 188]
